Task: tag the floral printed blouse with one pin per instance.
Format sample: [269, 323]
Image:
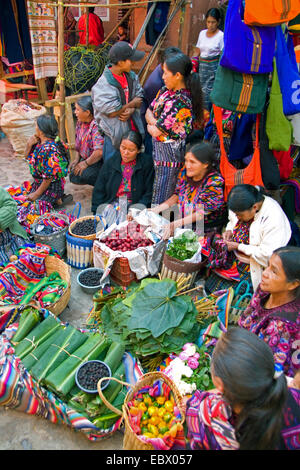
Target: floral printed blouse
[173, 112]
[46, 161]
[209, 193]
[279, 327]
[88, 138]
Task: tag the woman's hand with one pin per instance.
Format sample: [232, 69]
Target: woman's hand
[231, 246]
[32, 197]
[79, 168]
[74, 163]
[227, 235]
[168, 231]
[33, 140]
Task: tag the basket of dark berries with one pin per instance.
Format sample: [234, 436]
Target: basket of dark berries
[90, 280]
[87, 227]
[89, 373]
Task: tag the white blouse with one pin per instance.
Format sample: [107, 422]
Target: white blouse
[210, 46]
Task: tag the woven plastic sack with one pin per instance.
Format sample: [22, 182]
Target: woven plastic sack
[18, 122]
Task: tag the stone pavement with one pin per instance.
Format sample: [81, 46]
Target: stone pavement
[19, 431]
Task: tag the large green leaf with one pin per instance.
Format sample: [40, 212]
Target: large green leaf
[157, 308]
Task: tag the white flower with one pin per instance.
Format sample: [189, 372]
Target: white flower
[190, 350]
[187, 371]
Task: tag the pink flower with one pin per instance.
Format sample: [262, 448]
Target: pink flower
[183, 356]
[193, 363]
[196, 355]
[187, 345]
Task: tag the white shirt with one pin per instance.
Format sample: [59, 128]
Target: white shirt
[210, 47]
[269, 230]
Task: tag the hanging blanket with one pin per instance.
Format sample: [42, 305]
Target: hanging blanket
[42, 26]
[19, 390]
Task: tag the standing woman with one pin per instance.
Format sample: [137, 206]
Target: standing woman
[209, 46]
[48, 160]
[170, 119]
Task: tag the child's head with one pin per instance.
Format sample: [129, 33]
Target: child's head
[122, 30]
[243, 369]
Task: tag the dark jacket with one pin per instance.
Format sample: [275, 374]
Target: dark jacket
[110, 178]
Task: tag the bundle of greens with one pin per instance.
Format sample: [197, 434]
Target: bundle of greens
[183, 247]
[151, 319]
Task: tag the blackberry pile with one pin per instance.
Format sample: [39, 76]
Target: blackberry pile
[85, 227]
[89, 375]
[90, 278]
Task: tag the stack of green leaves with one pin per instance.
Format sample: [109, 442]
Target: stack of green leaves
[151, 319]
[28, 319]
[183, 247]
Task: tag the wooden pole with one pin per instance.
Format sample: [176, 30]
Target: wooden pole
[87, 26]
[117, 25]
[61, 79]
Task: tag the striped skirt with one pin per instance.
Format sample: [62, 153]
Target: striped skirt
[9, 244]
[207, 72]
[168, 159]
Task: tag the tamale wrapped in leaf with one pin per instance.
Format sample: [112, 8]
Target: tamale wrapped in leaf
[62, 379]
[28, 320]
[68, 340]
[32, 358]
[39, 334]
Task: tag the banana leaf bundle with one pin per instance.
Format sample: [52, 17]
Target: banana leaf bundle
[32, 358]
[68, 340]
[37, 336]
[62, 379]
[28, 320]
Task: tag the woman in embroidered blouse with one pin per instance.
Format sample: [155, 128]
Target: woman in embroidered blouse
[125, 179]
[274, 311]
[89, 144]
[48, 160]
[251, 408]
[199, 188]
[170, 119]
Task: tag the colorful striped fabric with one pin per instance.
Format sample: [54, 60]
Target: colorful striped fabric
[19, 391]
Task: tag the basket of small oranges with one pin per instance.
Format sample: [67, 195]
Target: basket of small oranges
[154, 414]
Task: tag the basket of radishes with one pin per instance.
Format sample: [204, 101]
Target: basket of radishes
[128, 252]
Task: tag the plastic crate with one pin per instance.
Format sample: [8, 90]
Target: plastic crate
[121, 273]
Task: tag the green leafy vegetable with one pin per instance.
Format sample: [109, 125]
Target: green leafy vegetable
[183, 247]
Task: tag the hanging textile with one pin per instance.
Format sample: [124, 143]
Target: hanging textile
[43, 39]
[14, 31]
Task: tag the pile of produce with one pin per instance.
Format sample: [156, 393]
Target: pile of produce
[91, 277]
[84, 227]
[151, 318]
[89, 374]
[127, 238]
[184, 246]
[52, 352]
[153, 416]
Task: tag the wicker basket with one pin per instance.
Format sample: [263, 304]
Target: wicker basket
[173, 268]
[93, 236]
[54, 264]
[131, 441]
[57, 240]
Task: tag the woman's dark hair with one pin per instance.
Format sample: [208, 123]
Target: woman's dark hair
[49, 127]
[214, 13]
[245, 364]
[134, 137]
[290, 259]
[182, 63]
[86, 103]
[204, 153]
[243, 196]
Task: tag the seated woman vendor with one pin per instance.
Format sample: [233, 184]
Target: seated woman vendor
[12, 234]
[274, 311]
[251, 407]
[126, 178]
[89, 144]
[199, 188]
[257, 226]
[48, 162]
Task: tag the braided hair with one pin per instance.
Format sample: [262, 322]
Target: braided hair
[49, 127]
